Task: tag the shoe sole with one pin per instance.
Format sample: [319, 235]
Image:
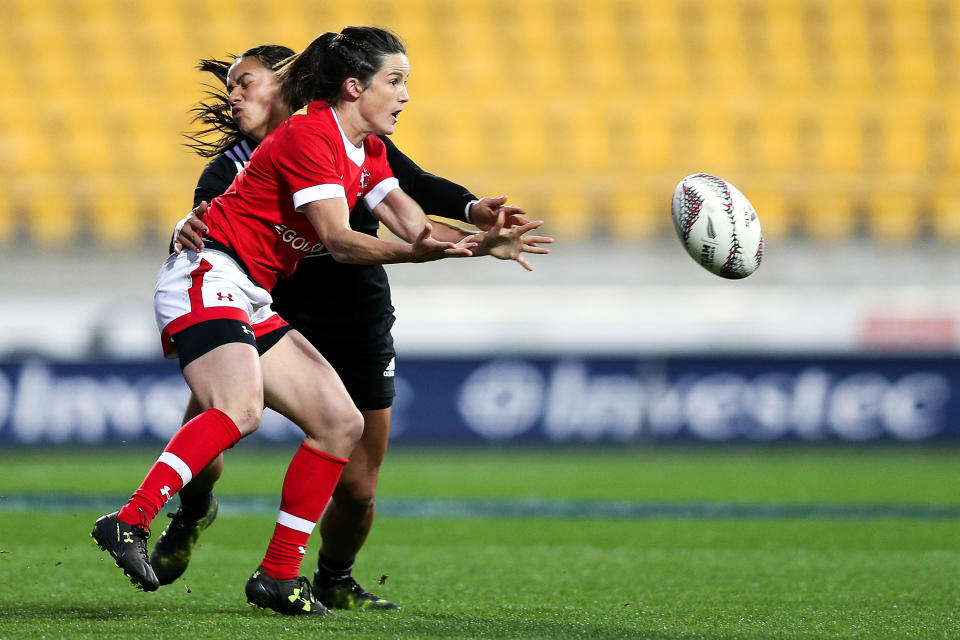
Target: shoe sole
[133, 580]
[269, 610]
[367, 607]
[264, 608]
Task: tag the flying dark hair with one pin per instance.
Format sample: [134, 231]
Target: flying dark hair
[318, 72]
[218, 130]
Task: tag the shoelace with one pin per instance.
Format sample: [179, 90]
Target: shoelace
[141, 531]
[306, 590]
[354, 586]
[180, 519]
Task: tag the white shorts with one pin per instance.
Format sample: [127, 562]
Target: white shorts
[197, 287]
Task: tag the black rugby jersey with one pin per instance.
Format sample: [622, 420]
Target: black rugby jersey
[349, 303]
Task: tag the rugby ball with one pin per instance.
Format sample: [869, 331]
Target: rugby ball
[717, 225]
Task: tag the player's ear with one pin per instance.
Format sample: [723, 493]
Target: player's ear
[353, 88]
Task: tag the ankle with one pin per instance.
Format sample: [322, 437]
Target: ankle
[195, 507]
[330, 570]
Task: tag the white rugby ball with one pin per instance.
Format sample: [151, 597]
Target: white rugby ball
[717, 225]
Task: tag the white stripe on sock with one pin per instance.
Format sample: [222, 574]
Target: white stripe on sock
[178, 465]
[292, 521]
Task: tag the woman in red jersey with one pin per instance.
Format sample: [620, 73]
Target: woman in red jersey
[293, 197]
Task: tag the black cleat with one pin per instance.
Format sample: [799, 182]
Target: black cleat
[127, 543]
[347, 594]
[171, 553]
[292, 597]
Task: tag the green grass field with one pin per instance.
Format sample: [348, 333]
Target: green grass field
[883, 563]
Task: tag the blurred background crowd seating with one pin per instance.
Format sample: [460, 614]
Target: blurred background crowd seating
[840, 119]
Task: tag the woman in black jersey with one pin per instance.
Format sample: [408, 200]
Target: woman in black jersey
[349, 324]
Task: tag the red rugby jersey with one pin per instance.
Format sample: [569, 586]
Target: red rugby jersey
[306, 158]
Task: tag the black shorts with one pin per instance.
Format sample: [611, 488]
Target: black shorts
[366, 367]
[201, 338]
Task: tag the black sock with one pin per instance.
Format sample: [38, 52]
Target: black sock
[333, 570]
[195, 506]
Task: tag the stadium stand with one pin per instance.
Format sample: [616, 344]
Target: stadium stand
[838, 118]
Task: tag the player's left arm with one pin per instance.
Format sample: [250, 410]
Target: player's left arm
[442, 197]
[406, 219]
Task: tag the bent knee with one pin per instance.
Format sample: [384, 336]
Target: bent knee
[352, 426]
[356, 496]
[335, 432]
[246, 417]
[345, 429]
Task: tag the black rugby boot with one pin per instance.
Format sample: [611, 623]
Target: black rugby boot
[292, 597]
[127, 543]
[347, 594]
[171, 554]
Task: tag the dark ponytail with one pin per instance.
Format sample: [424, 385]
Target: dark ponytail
[318, 72]
[218, 130]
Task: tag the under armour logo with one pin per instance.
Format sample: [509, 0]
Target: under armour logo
[127, 536]
[302, 550]
[228, 297]
[165, 492]
[246, 329]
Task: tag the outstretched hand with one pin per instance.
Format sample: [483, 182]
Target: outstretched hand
[426, 248]
[511, 243]
[484, 213]
[188, 234]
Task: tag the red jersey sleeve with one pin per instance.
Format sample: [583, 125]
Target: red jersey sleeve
[307, 162]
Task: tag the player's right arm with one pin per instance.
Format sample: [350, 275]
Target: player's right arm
[331, 219]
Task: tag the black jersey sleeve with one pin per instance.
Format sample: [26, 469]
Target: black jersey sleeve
[213, 181]
[435, 195]
[216, 177]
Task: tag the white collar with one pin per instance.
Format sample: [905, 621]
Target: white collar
[356, 154]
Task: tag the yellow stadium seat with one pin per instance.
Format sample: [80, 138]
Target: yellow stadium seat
[52, 218]
[114, 215]
[784, 42]
[856, 65]
[720, 142]
[8, 222]
[915, 66]
[650, 147]
[948, 128]
[841, 125]
[576, 134]
[904, 124]
[569, 211]
[946, 212]
[526, 149]
[893, 214]
[771, 206]
[162, 202]
[827, 215]
[638, 214]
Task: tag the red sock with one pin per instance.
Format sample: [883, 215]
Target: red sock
[311, 478]
[189, 450]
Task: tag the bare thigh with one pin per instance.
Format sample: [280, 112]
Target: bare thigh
[301, 385]
[229, 378]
